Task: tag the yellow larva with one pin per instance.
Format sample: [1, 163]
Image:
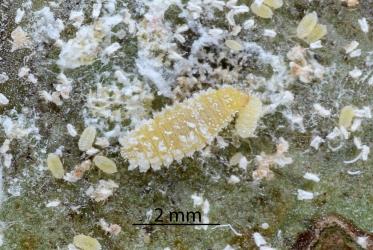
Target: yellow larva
[248, 117]
[105, 164]
[182, 129]
[55, 166]
[86, 242]
[346, 116]
[87, 138]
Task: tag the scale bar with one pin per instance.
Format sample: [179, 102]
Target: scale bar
[175, 224]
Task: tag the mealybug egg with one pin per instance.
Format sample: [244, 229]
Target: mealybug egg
[346, 116]
[86, 242]
[55, 166]
[261, 10]
[307, 24]
[87, 138]
[105, 164]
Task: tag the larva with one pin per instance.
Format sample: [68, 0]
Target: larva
[182, 129]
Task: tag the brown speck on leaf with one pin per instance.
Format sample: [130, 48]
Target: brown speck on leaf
[333, 230]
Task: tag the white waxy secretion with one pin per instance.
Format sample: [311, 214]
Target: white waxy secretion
[311, 177]
[233, 179]
[269, 33]
[364, 26]
[3, 100]
[351, 46]
[87, 138]
[71, 130]
[304, 195]
[19, 15]
[355, 73]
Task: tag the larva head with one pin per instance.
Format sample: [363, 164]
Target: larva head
[233, 99]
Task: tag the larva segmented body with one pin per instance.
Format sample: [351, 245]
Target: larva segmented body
[182, 129]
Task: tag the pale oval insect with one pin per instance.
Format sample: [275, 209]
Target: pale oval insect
[275, 4]
[182, 129]
[233, 45]
[306, 25]
[55, 166]
[248, 117]
[317, 33]
[105, 164]
[85, 242]
[346, 116]
[87, 138]
[261, 10]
